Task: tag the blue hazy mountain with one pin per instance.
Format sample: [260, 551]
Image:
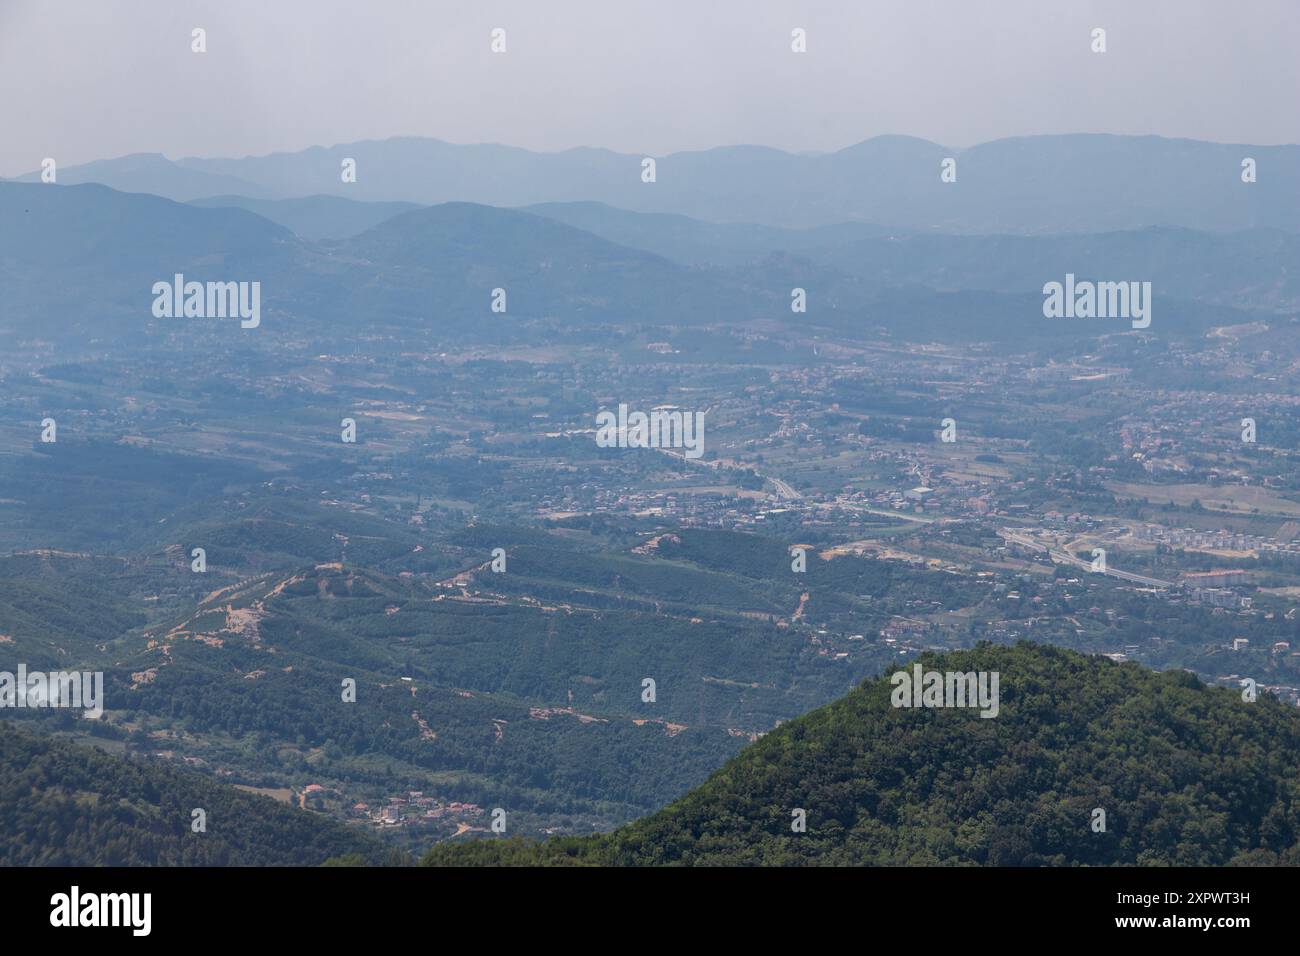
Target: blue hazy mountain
[447, 258]
[86, 257]
[315, 217]
[152, 173]
[1027, 185]
[1237, 268]
[696, 242]
[80, 261]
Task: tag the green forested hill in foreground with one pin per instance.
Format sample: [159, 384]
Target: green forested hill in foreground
[62, 804]
[1187, 774]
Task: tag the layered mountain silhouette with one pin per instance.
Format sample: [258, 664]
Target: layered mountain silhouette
[315, 217]
[79, 262]
[83, 259]
[1231, 268]
[1024, 185]
[1185, 774]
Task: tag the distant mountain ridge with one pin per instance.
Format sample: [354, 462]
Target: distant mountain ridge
[1228, 268]
[87, 256]
[1024, 185]
[81, 260]
[314, 217]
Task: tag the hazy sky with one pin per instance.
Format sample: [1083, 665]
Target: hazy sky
[91, 79]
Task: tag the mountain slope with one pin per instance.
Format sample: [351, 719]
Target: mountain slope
[81, 255]
[151, 173]
[314, 217]
[63, 804]
[1187, 775]
[447, 259]
[82, 262]
[696, 242]
[1240, 269]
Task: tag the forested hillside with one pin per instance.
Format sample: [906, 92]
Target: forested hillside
[1187, 775]
[62, 804]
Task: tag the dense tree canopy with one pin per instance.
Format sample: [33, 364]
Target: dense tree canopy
[1186, 774]
[62, 804]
